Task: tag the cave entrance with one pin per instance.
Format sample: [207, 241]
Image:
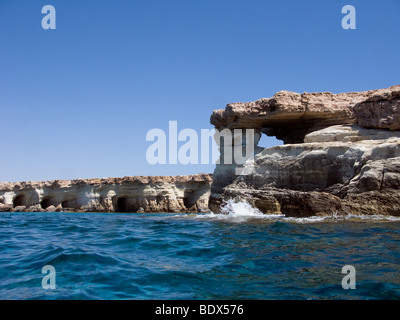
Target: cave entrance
[46, 202]
[190, 198]
[68, 204]
[122, 205]
[19, 201]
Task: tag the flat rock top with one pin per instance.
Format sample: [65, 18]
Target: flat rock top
[320, 108]
[201, 177]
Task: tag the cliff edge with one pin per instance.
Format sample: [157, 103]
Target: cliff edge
[341, 156]
[128, 194]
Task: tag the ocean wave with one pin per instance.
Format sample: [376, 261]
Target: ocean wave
[198, 256]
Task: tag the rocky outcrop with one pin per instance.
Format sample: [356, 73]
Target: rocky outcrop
[344, 160]
[291, 116]
[341, 156]
[380, 111]
[128, 194]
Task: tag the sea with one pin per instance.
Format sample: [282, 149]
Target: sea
[238, 254]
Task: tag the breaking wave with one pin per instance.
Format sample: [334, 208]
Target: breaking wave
[239, 211]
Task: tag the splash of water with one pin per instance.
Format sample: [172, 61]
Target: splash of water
[239, 209]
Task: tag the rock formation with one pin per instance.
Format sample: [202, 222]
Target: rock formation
[341, 154]
[128, 194]
[290, 116]
[380, 111]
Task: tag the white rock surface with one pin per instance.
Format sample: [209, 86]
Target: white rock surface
[129, 194]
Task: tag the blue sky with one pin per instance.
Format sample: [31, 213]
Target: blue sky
[77, 102]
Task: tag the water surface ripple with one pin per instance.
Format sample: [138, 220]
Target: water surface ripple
[169, 256]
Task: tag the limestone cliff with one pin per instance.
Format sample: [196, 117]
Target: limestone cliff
[341, 154]
[128, 194]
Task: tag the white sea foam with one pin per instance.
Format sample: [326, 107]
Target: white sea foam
[239, 211]
[370, 217]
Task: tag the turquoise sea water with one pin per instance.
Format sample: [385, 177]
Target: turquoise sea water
[207, 256]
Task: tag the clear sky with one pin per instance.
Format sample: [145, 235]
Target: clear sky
[77, 101]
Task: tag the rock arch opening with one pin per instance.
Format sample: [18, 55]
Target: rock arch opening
[269, 141]
[290, 132]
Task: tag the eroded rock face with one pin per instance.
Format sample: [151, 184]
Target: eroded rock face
[380, 111]
[128, 194]
[339, 169]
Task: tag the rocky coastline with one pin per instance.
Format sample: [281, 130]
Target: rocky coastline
[128, 194]
[341, 156]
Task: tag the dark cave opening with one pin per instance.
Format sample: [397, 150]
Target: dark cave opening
[122, 205]
[190, 198]
[19, 201]
[68, 204]
[45, 203]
